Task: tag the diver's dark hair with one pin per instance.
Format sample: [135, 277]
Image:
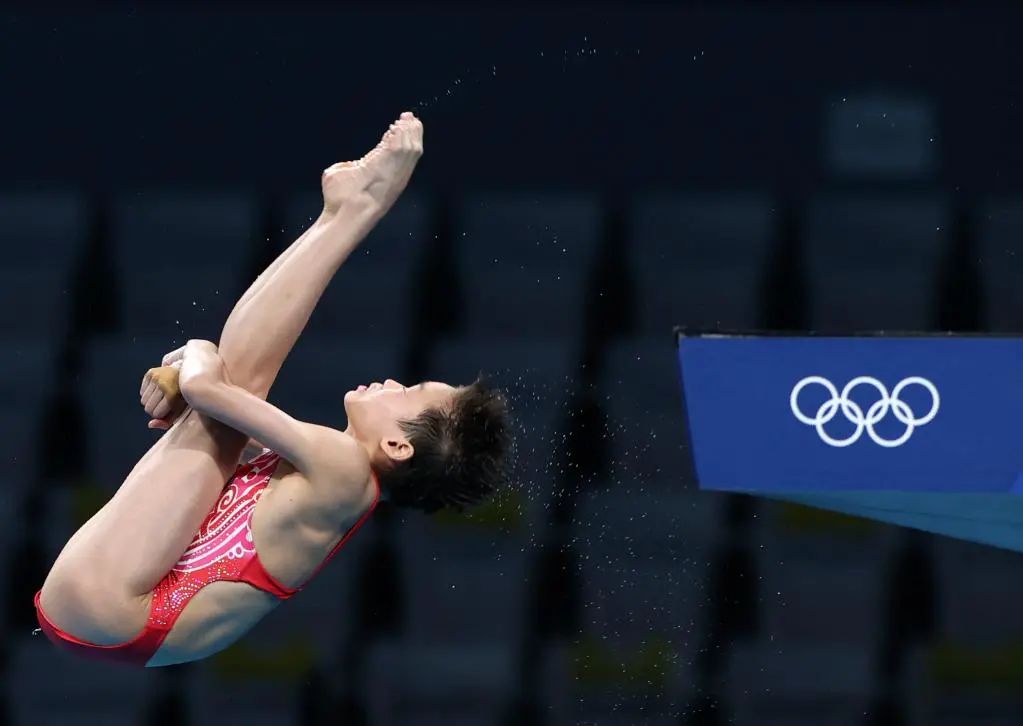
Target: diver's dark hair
[461, 452]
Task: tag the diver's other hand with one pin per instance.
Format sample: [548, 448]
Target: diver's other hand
[160, 394]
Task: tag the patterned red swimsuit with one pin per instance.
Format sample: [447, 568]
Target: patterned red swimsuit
[222, 549]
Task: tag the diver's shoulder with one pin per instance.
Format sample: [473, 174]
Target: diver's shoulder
[341, 478]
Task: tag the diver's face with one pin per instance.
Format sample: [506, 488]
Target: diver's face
[374, 410]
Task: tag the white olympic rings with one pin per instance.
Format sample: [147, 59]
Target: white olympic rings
[877, 411]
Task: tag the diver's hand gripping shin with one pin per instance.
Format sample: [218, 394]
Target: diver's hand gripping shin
[161, 395]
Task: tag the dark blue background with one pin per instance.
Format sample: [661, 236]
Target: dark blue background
[594, 174]
[128, 93]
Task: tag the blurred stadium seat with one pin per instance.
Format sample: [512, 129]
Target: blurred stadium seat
[465, 578]
[64, 515]
[19, 435]
[180, 259]
[873, 263]
[699, 260]
[645, 565]
[949, 684]
[10, 517]
[641, 394]
[246, 686]
[454, 685]
[978, 594]
[27, 370]
[781, 683]
[525, 261]
[117, 436]
[44, 235]
[27, 374]
[999, 253]
[529, 366]
[645, 560]
[89, 692]
[822, 575]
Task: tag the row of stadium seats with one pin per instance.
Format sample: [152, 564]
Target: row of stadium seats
[638, 645]
[645, 563]
[638, 388]
[767, 683]
[520, 263]
[468, 684]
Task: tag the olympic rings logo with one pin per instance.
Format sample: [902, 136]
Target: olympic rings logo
[865, 421]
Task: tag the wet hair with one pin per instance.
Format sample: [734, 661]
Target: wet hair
[461, 452]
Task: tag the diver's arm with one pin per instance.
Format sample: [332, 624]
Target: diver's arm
[322, 454]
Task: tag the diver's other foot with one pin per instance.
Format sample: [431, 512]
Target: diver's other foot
[378, 178]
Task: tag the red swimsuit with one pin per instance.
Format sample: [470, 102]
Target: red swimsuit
[222, 549]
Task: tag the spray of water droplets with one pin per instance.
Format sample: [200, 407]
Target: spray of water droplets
[595, 487]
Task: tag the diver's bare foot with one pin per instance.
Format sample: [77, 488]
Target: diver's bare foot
[377, 179]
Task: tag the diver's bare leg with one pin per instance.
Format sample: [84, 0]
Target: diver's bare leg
[264, 326]
[98, 589]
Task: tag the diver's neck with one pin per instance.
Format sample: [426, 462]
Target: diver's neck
[373, 452]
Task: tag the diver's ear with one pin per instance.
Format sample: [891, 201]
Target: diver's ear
[397, 449]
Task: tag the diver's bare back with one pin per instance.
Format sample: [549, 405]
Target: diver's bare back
[294, 529]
